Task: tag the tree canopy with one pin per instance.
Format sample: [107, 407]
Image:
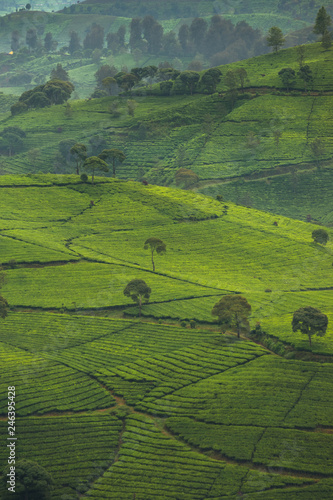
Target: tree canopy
[322, 22]
[79, 152]
[138, 290]
[155, 245]
[320, 236]
[233, 311]
[113, 154]
[32, 481]
[275, 38]
[186, 177]
[94, 163]
[51, 92]
[310, 321]
[287, 76]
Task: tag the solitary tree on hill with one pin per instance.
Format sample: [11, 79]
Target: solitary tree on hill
[310, 321]
[275, 38]
[138, 290]
[155, 245]
[287, 76]
[323, 21]
[320, 236]
[233, 311]
[94, 163]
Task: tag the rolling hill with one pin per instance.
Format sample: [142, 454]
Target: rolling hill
[131, 407]
[233, 151]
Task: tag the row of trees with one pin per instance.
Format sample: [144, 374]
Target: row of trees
[98, 162]
[233, 311]
[51, 93]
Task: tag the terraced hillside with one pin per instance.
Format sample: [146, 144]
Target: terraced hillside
[118, 406]
[260, 153]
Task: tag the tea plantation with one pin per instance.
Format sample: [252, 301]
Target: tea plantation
[233, 147]
[162, 406]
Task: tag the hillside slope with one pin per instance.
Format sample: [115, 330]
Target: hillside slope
[223, 146]
[121, 401]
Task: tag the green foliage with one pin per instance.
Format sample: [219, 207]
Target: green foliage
[275, 38]
[155, 245]
[138, 290]
[310, 321]
[31, 480]
[320, 236]
[94, 163]
[287, 76]
[114, 155]
[233, 310]
[322, 22]
[186, 177]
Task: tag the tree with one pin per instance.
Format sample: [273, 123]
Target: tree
[300, 50]
[275, 38]
[233, 311]
[32, 481]
[79, 152]
[231, 82]
[138, 290]
[135, 40]
[110, 85]
[210, 79]
[31, 38]
[15, 44]
[305, 74]
[59, 73]
[95, 38]
[241, 75]
[94, 163]
[186, 176]
[326, 41]
[104, 71]
[74, 42]
[287, 76]
[189, 79]
[50, 44]
[310, 321]
[58, 91]
[115, 155]
[320, 236]
[198, 30]
[322, 22]
[155, 245]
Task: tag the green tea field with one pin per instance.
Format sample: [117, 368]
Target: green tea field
[162, 405]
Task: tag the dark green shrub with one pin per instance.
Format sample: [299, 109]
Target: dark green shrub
[84, 177]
